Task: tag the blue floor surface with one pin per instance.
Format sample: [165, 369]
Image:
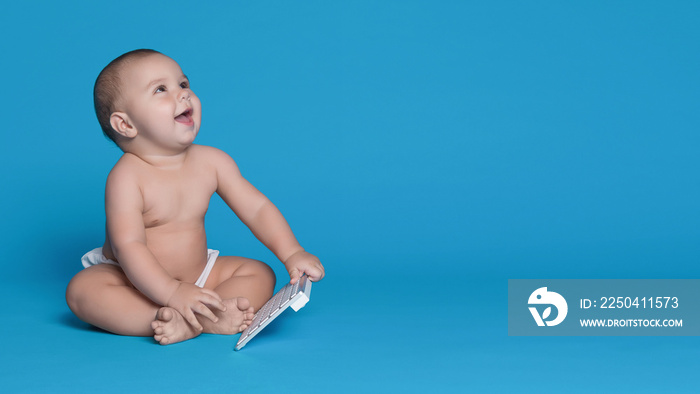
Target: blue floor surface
[412, 333]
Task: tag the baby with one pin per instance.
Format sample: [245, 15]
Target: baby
[154, 274]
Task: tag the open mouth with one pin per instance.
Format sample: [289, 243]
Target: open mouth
[185, 117]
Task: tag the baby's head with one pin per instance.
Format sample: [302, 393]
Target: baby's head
[144, 93]
[108, 89]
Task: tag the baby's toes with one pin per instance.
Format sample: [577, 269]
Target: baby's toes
[243, 304]
[164, 314]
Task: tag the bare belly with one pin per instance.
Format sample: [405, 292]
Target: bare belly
[180, 250]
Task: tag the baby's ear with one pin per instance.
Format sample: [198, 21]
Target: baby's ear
[121, 124]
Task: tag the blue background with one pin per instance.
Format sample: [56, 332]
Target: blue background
[426, 151]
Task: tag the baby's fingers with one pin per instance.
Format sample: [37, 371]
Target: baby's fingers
[213, 300]
[317, 275]
[211, 293]
[192, 319]
[314, 273]
[294, 274]
[206, 312]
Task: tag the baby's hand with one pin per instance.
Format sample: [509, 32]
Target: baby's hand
[189, 299]
[304, 263]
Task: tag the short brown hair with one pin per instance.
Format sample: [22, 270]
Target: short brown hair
[108, 89]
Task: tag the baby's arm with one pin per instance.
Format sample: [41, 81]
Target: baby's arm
[264, 220]
[127, 234]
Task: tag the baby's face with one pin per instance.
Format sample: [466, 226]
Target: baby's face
[157, 98]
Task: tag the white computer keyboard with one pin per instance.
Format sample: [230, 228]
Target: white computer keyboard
[296, 296]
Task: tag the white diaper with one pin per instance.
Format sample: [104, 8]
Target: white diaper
[95, 257]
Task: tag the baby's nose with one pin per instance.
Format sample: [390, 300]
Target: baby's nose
[184, 94]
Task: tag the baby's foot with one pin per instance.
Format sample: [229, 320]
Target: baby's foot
[170, 327]
[236, 318]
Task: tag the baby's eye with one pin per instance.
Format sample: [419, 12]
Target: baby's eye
[160, 88]
[184, 85]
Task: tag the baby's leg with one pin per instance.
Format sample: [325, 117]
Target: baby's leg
[102, 296]
[245, 285]
[241, 277]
